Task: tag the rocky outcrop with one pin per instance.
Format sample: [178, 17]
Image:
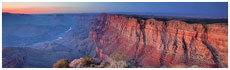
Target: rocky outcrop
[76, 63]
[155, 43]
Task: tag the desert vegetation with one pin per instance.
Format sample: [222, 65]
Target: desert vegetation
[87, 62]
[62, 63]
[116, 60]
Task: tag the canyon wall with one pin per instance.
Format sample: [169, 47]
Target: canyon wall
[70, 44]
[155, 43]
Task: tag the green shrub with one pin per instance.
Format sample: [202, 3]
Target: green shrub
[62, 63]
[87, 61]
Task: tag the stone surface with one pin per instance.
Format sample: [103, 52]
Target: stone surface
[76, 63]
[154, 43]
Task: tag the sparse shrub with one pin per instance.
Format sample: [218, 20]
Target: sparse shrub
[103, 64]
[87, 61]
[120, 64]
[119, 60]
[62, 63]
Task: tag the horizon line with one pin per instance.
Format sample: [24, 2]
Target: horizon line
[125, 13]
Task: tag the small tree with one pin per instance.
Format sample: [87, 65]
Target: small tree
[62, 63]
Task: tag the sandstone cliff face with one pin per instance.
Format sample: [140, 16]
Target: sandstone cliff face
[154, 43]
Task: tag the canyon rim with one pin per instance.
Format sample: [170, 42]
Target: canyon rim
[115, 35]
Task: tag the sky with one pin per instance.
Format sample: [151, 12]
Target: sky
[219, 9]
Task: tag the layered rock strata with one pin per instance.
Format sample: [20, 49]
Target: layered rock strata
[154, 43]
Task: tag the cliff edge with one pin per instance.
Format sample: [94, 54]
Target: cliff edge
[157, 43]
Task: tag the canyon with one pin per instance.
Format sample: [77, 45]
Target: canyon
[148, 41]
[158, 43]
[41, 43]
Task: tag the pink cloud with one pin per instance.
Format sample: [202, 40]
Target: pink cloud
[35, 10]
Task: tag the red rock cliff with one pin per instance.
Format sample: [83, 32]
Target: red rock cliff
[156, 43]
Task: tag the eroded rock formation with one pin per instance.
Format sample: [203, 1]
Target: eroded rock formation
[155, 43]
